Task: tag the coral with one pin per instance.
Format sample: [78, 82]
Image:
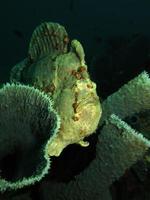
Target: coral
[28, 122]
[131, 103]
[118, 147]
[130, 99]
[63, 76]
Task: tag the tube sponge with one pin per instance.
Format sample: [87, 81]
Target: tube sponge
[28, 122]
[118, 148]
[131, 98]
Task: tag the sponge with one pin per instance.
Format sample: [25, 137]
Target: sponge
[28, 122]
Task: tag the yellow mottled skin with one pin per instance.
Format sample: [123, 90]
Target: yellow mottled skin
[64, 77]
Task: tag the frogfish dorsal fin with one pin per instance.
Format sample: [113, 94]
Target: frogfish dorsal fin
[48, 38]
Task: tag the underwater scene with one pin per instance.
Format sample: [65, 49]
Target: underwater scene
[75, 100]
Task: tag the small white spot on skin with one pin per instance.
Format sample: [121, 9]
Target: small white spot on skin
[84, 143]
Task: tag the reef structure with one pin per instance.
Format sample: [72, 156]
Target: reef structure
[63, 76]
[28, 124]
[119, 146]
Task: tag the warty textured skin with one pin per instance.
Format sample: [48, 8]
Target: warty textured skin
[63, 75]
